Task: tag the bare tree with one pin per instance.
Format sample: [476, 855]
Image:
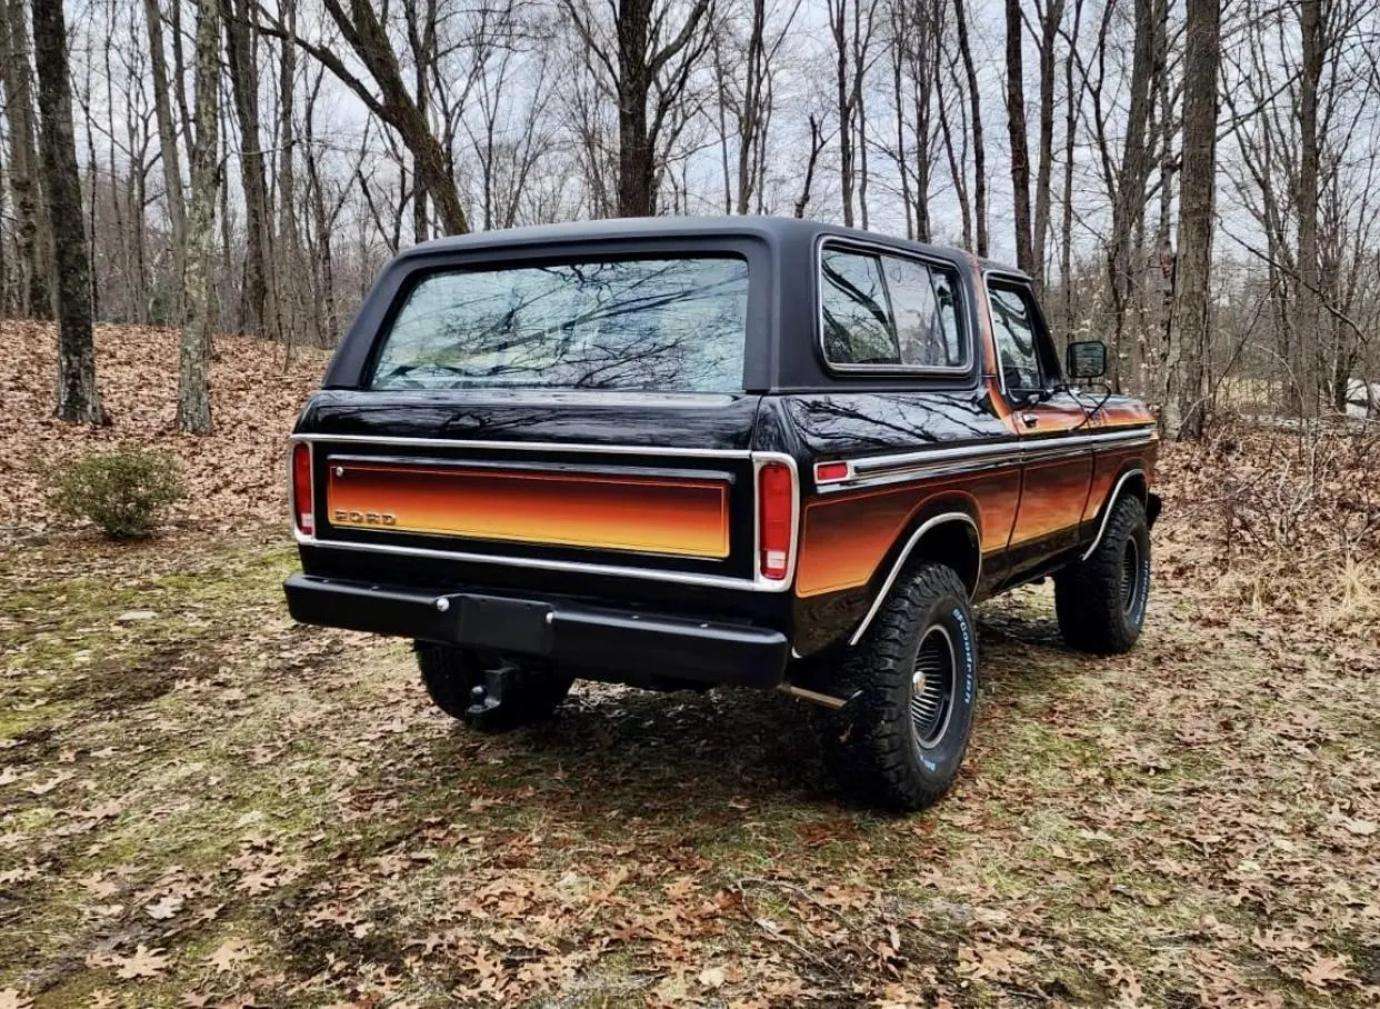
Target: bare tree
[31, 235]
[648, 67]
[1193, 270]
[1051, 14]
[1016, 131]
[364, 31]
[817, 142]
[851, 26]
[194, 394]
[979, 148]
[1307, 315]
[168, 147]
[1128, 204]
[243, 64]
[78, 399]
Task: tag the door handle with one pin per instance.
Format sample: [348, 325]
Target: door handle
[1029, 419]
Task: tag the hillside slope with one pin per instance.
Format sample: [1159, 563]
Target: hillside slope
[236, 472]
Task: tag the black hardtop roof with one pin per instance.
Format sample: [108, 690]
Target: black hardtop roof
[773, 230]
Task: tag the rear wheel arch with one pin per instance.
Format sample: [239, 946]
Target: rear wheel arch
[946, 533]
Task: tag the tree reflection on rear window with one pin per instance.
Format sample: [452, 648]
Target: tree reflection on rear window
[659, 324]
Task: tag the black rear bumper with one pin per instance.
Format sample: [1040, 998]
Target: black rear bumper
[583, 637]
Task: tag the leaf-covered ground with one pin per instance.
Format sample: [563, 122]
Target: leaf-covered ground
[202, 805]
[233, 478]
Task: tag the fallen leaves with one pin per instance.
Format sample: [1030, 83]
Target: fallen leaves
[237, 470]
[1328, 971]
[142, 963]
[231, 954]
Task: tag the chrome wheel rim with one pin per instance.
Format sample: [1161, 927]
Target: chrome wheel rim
[1130, 577]
[932, 687]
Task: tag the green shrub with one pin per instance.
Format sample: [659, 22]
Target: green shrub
[121, 491]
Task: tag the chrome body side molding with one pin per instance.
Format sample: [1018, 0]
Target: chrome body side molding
[915, 538]
[901, 467]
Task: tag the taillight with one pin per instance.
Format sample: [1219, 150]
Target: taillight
[302, 507]
[775, 515]
[831, 472]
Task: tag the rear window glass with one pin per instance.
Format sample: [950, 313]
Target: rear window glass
[889, 312]
[664, 324]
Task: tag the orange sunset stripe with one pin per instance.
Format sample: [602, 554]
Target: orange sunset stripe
[647, 514]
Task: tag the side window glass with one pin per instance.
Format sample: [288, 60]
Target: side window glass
[946, 304]
[1014, 327]
[858, 327]
[886, 310]
[926, 320]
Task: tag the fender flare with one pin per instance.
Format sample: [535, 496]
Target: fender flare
[942, 518]
[1112, 498]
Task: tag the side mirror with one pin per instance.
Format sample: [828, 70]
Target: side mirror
[1086, 359]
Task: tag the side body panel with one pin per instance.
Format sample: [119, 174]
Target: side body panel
[1033, 477]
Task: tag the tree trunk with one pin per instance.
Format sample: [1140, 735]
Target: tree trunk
[838, 24]
[1016, 130]
[635, 157]
[1045, 168]
[31, 235]
[1307, 324]
[289, 255]
[78, 398]
[194, 394]
[1192, 274]
[244, 82]
[979, 150]
[1129, 206]
[749, 123]
[172, 156]
[1072, 105]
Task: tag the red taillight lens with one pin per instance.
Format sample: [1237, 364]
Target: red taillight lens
[831, 472]
[775, 514]
[303, 510]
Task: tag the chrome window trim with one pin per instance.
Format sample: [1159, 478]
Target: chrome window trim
[901, 560]
[903, 370]
[1107, 511]
[1017, 280]
[757, 583]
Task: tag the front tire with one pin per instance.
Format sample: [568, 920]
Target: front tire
[912, 684]
[529, 693]
[1101, 601]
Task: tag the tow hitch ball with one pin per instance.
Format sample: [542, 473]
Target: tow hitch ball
[488, 693]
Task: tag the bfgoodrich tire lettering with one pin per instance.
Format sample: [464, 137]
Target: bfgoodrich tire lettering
[1101, 601]
[900, 740]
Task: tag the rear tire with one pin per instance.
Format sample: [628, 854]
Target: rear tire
[531, 692]
[912, 684]
[1101, 601]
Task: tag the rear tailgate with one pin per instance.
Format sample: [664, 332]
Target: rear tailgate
[633, 509]
[585, 500]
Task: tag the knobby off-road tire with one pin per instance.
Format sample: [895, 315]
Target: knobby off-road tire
[913, 682]
[1101, 601]
[450, 675]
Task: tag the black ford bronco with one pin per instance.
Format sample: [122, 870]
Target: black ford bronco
[687, 452]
